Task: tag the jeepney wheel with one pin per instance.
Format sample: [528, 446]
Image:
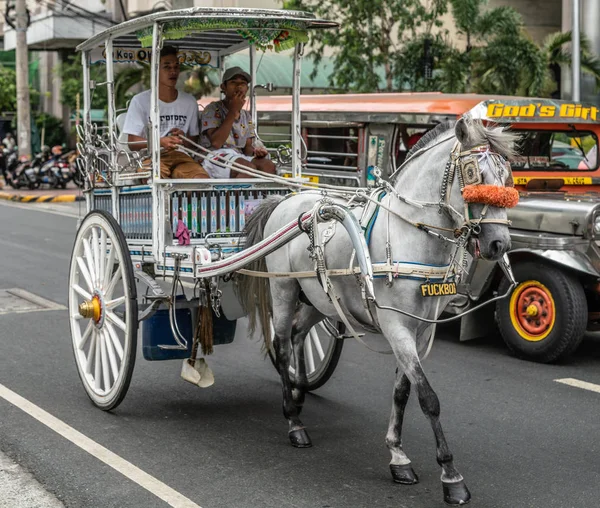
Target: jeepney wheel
[103, 311]
[322, 350]
[545, 317]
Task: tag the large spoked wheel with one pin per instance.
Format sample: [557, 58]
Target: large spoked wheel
[103, 311]
[545, 317]
[322, 350]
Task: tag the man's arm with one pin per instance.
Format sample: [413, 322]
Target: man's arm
[136, 143]
[249, 148]
[139, 143]
[219, 135]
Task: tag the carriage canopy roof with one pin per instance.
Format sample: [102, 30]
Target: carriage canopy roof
[212, 29]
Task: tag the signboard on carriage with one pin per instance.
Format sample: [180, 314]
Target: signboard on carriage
[535, 110]
[136, 55]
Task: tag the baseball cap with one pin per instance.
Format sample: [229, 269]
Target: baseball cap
[232, 72]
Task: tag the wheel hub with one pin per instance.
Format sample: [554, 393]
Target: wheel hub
[93, 309]
[533, 310]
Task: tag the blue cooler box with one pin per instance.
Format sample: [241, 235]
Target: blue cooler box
[156, 330]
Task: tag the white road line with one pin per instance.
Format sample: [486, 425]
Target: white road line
[148, 482]
[584, 385]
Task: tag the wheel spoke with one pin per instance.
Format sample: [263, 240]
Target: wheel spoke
[81, 292]
[308, 355]
[86, 335]
[111, 355]
[102, 255]
[113, 303]
[105, 366]
[313, 334]
[90, 261]
[96, 252]
[86, 274]
[113, 283]
[115, 340]
[98, 364]
[91, 353]
[108, 270]
[111, 316]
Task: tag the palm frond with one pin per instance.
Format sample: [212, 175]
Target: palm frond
[555, 41]
[498, 21]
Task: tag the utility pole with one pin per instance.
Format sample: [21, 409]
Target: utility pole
[23, 105]
[576, 54]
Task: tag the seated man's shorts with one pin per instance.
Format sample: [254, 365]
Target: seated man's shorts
[174, 164]
[226, 157]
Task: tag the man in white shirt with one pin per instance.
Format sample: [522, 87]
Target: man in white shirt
[178, 117]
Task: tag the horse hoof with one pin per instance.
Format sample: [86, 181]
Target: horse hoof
[456, 493]
[299, 438]
[404, 474]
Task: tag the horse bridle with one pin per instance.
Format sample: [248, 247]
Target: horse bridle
[463, 166]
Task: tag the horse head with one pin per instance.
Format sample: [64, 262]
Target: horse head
[485, 183]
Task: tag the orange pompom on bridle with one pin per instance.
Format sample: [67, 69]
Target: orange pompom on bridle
[493, 195]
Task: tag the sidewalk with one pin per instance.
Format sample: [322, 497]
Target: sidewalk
[68, 195]
[19, 489]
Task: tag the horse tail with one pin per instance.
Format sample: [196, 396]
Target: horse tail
[255, 292]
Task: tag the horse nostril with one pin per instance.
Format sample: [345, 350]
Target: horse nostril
[498, 248]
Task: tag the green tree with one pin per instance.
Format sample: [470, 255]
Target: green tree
[52, 127]
[555, 53]
[72, 83]
[8, 89]
[374, 34]
[500, 57]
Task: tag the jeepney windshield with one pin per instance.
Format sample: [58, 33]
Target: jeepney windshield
[547, 150]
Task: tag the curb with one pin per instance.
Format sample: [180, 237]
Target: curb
[69, 198]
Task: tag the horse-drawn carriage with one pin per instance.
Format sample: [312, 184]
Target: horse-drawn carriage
[188, 257]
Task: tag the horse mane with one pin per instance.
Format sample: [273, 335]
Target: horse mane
[431, 135]
[500, 140]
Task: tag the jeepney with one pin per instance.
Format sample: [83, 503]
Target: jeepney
[555, 228]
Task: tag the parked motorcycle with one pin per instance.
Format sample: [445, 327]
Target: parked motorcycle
[23, 173]
[56, 170]
[9, 159]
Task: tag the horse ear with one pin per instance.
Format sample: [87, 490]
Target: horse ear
[461, 131]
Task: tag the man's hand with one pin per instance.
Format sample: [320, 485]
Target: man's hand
[170, 142]
[260, 152]
[176, 132]
[237, 102]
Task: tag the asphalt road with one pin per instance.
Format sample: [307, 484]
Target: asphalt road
[519, 438]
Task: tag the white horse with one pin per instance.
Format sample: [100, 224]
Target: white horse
[427, 203]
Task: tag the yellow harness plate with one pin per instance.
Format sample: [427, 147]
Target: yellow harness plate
[438, 289]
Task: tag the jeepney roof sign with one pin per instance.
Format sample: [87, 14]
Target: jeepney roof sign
[535, 111]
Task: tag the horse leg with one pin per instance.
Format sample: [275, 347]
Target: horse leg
[403, 343]
[400, 466]
[306, 317]
[455, 489]
[284, 308]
